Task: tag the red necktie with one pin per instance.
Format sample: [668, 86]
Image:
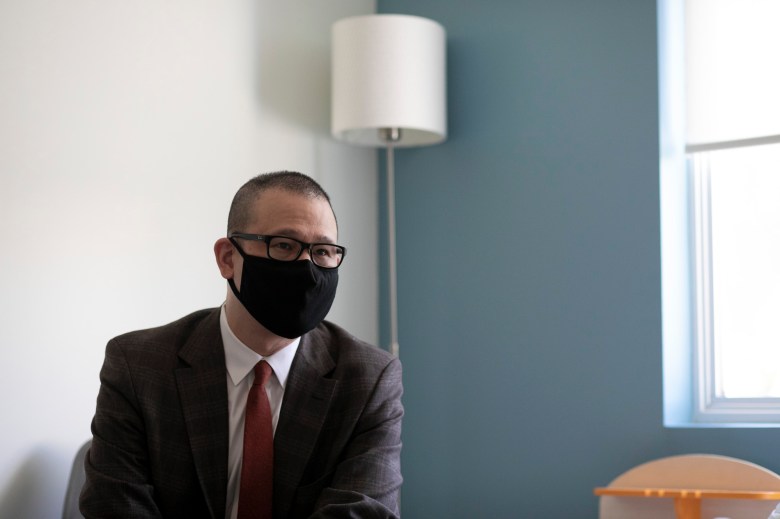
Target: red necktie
[255, 495]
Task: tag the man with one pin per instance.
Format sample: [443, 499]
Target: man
[169, 430]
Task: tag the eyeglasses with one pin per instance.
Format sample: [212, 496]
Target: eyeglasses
[282, 248]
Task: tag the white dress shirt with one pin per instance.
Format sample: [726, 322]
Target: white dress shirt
[240, 361]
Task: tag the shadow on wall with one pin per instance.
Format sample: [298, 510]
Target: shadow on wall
[292, 65]
[44, 469]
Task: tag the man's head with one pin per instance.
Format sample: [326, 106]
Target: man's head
[241, 209]
[282, 292]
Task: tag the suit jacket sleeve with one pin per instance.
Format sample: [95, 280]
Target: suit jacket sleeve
[117, 480]
[367, 482]
[160, 431]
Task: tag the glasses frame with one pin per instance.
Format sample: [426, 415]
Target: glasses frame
[266, 238]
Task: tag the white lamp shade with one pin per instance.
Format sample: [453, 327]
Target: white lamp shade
[389, 72]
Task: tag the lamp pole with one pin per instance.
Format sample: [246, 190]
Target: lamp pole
[390, 136]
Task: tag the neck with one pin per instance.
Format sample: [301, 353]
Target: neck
[253, 334]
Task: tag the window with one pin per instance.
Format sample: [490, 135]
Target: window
[736, 200]
[720, 185]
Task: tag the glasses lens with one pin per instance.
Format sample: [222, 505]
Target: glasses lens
[284, 249]
[327, 255]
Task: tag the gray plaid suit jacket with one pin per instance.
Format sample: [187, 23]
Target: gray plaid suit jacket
[160, 431]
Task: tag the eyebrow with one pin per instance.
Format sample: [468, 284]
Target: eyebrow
[294, 234]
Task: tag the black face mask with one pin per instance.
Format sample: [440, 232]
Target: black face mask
[289, 298]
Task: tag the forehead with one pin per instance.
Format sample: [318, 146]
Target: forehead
[278, 211]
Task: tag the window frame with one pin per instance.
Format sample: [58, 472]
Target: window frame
[690, 394]
[709, 406]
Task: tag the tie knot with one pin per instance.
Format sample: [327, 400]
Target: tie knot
[263, 370]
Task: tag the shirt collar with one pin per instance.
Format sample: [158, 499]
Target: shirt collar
[240, 359]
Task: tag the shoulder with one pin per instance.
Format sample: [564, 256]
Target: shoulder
[168, 338]
[349, 353]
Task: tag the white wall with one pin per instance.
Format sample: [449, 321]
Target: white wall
[126, 127]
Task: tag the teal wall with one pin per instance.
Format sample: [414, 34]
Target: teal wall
[529, 266]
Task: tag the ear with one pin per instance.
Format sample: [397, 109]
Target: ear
[224, 252]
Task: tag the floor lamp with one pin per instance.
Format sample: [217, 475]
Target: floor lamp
[389, 91]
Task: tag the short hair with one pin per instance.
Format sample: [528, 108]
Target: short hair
[240, 213]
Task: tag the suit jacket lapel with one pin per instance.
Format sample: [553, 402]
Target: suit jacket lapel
[307, 398]
[203, 392]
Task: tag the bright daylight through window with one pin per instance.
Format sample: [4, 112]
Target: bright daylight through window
[732, 193]
[739, 198]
